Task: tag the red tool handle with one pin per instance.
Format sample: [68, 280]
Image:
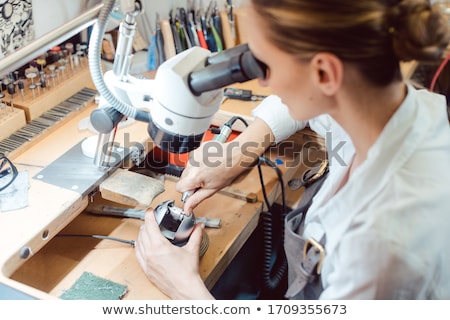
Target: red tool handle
[201, 39]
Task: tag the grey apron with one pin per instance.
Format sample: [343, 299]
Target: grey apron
[303, 281]
[304, 256]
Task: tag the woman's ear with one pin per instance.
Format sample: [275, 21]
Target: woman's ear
[328, 70]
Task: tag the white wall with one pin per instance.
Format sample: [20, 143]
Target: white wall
[50, 14]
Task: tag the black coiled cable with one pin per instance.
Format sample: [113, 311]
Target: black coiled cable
[272, 271]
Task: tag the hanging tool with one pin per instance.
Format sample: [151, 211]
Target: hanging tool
[184, 29]
[190, 23]
[159, 40]
[229, 7]
[204, 26]
[193, 29]
[200, 33]
[217, 23]
[210, 38]
[190, 30]
[175, 33]
[228, 41]
[214, 40]
[180, 30]
[152, 52]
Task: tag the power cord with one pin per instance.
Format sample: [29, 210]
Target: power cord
[438, 72]
[273, 272]
[223, 133]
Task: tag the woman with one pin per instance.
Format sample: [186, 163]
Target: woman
[382, 214]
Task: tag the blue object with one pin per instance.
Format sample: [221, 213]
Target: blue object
[278, 161]
[152, 65]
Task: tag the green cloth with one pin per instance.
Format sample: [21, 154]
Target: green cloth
[92, 287]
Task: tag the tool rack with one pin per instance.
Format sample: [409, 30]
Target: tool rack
[30, 104]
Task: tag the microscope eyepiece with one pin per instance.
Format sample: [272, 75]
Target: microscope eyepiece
[227, 68]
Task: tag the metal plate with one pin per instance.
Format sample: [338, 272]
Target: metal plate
[77, 172]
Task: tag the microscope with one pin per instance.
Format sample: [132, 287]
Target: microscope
[178, 104]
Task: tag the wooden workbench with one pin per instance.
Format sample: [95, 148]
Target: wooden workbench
[34, 260]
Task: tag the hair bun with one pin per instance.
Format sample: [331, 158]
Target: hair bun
[419, 30]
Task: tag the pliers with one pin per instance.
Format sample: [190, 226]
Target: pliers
[214, 39]
[199, 18]
[175, 33]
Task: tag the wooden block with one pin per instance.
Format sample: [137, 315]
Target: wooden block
[131, 188]
[11, 120]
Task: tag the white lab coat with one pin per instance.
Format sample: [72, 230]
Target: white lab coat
[388, 229]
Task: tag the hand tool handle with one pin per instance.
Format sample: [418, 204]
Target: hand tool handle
[226, 30]
[201, 39]
[193, 35]
[169, 44]
[160, 46]
[211, 41]
[152, 63]
[180, 32]
[218, 25]
[176, 38]
[116, 211]
[216, 37]
[187, 37]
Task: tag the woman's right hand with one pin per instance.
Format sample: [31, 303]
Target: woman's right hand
[215, 165]
[211, 167]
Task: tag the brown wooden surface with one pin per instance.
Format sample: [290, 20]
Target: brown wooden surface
[11, 120]
[59, 264]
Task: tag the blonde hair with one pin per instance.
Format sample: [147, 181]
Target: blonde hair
[372, 34]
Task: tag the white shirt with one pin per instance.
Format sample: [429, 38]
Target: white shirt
[388, 229]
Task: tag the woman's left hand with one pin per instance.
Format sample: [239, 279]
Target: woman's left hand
[174, 270]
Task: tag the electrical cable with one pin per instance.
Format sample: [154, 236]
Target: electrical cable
[273, 272]
[96, 236]
[438, 72]
[235, 118]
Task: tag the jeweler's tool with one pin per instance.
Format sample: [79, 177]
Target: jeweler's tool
[241, 94]
[140, 214]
